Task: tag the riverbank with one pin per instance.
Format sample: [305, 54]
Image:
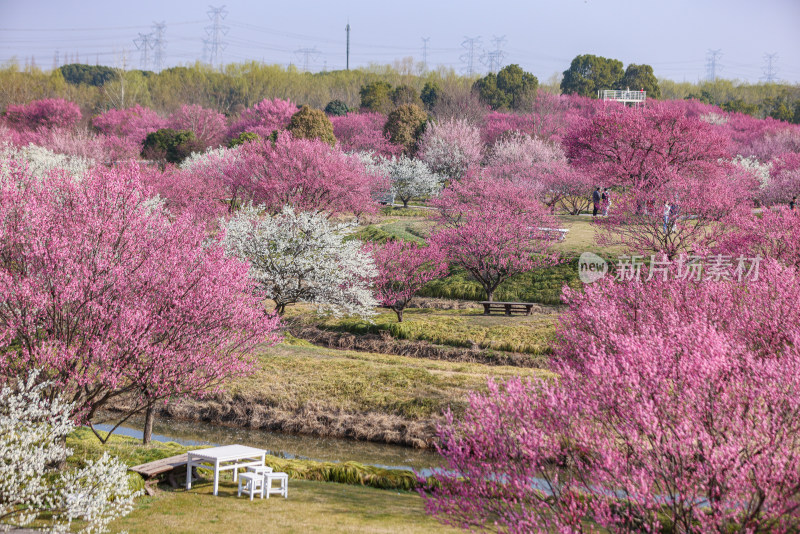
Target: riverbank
[300, 388]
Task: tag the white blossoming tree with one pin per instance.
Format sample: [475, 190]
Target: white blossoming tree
[303, 257]
[756, 168]
[33, 429]
[411, 178]
[40, 161]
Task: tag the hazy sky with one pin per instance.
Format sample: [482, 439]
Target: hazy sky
[674, 36]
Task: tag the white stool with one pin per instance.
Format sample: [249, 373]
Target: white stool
[259, 469]
[283, 487]
[253, 482]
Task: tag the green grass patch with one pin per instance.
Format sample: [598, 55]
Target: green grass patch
[294, 376]
[312, 507]
[458, 328]
[404, 230]
[542, 285]
[394, 211]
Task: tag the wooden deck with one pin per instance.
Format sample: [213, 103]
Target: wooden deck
[151, 470]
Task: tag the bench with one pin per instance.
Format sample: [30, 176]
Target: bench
[151, 470]
[508, 308]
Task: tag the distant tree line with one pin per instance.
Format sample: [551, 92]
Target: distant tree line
[377, 88]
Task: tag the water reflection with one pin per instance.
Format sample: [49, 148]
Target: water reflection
[192, 433]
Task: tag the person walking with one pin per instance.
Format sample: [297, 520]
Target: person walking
[606, 198]
[596, 201]
[667, 209]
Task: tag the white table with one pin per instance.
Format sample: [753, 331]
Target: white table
[222, 458]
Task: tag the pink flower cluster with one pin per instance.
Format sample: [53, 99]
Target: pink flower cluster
[46, 113]
[110, 297]
[264, 118]
[363, 132]
[675, 405]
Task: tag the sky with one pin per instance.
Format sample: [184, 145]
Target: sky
[676, 37]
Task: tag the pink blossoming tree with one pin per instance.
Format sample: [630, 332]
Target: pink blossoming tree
[498, 125]
[675, 408]
[46, 113]
[109, 297]
[311, 176]
[679, 190]
[452, 148]
[131, 124]
[363, 132]
[493, 229]
[403, 270]
[207, 125]
[518, 148]
[264, 118]
[774, 233]
[645, 148]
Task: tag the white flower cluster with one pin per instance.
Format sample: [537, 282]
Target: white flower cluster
[450, 147]
[40, 161]
[411, 178]
[302, 257]
[754, 167]
[33, 429]
[201, 159]
[714, 118]
[521, 148]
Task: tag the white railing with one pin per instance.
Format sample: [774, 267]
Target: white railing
[624, 96]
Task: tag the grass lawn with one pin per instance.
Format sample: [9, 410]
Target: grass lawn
[292, 376]
[543, 285]
[311, 507]
[460, 328]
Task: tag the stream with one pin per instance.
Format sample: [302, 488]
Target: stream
[193, 433]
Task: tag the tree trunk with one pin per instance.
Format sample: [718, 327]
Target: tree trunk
[490, 295]
[399, 314]
[149, 416]
[405, 203]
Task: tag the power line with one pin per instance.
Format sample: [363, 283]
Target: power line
[159, 44]
[712, 63]
[214, 43]
[770, 69]
[471, 45]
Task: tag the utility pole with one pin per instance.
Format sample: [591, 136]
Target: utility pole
[470, 45]
[425, 52]
[712, 63]
[770, 70]
[215, 32]
[347, 30]
[159, 44]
